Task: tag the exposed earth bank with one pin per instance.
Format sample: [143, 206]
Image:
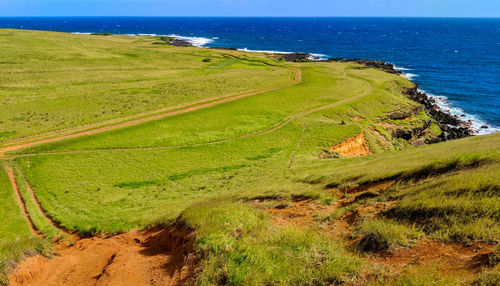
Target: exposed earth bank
[156, 256]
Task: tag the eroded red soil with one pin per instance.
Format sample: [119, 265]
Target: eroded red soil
[158, 256]
[449, 258]
[352, 147]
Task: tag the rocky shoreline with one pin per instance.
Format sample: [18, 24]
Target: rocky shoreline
[452, 127]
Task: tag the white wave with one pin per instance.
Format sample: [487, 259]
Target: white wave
[401, 69]
[476, 122]
[318, 57]
[313, 56]
[264, 51]
[81, 33]
[195, 41]
[410, 76]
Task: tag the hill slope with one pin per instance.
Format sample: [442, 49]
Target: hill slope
[238, 167]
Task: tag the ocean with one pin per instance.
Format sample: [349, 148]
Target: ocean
[455, 60]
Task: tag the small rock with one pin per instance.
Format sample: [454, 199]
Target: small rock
[484, 127]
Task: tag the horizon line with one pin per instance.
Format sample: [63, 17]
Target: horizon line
[136, 16]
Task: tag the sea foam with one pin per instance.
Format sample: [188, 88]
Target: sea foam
[446, 106]
[313, 56]
[195, 41]
[476, 122]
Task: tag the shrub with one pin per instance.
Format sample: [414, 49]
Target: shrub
[240, 246]
[488, 278]
[381, 235]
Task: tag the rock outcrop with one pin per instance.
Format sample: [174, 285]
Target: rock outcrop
[387, 67]
[451, 126]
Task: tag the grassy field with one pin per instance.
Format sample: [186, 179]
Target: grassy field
[225, 170]
[53, 81]
[202, 153]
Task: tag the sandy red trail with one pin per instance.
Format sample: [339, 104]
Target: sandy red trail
[159, 256]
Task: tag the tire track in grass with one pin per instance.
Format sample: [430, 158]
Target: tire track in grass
[46, 215]
[273, 128]
[154, 115]
[22, 203]
[290, 162]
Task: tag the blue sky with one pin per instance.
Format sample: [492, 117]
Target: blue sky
[414, 8]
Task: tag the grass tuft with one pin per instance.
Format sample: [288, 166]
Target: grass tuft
[12, 252]
[241, 247]
[382, 235]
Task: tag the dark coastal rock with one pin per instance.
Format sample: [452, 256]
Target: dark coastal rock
[223, 48]
[179, 43]
[165, 40]
[452, 127]
[403, 114]
[295, 57]
[410, 134]
[450, 133]
[387, 67]
[484, 127]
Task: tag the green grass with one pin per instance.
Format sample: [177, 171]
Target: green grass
[461, 206]
[16, 240]
[53, 81]
[206, 165]
[454, 154]
[381, 234]
[39, 220]
[487, 278]
[154, 170]
[242, 247]
[419, 276]
[451, 192]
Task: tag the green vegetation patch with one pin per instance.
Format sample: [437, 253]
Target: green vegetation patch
[16, 240]
[462, 206]
[55, 81]
[240, 246]
[382, 235]
[136, 185]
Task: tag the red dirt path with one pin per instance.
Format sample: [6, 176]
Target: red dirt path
[159, 256]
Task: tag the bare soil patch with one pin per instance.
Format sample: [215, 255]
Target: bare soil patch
[157, 256]
[352, 147]
[450, 258]
[461, 260]
[345, 225]
[302, 213]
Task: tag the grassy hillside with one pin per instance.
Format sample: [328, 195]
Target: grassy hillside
[53, 81]
[263, 179]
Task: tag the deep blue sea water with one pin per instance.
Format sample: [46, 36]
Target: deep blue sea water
[456, 60]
